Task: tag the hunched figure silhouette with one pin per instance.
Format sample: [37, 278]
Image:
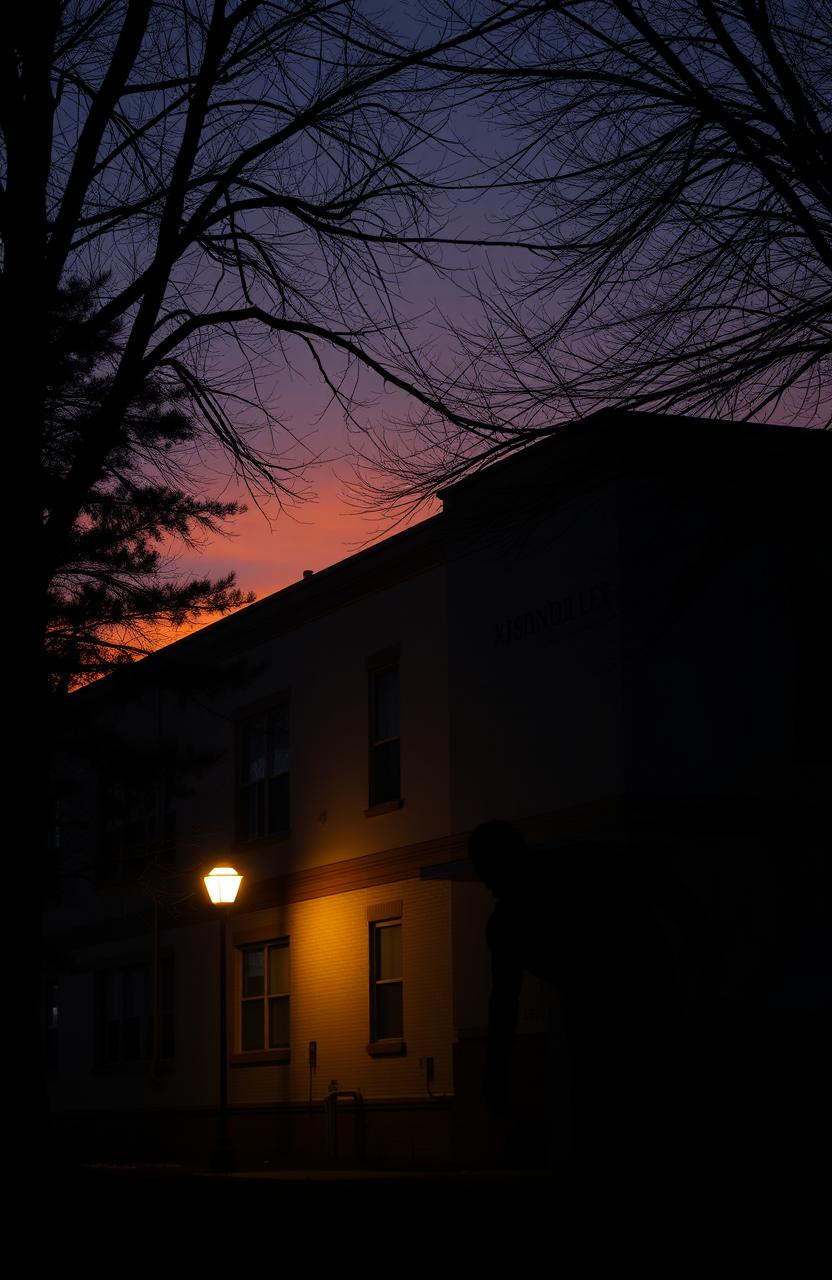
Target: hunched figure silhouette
[587, 919]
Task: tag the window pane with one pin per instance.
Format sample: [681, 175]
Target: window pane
[278, 804]
[278, 970]
[254, 752]
[111, 1041]
[112, 994]
[388, 951]
[167, 1035]
[248, 812]
[264, 774]
[132, 1039]
[252, 1029]
[134, 991]
[167, 984]
[277, 740]
[386, 704]
[389, 1011]
[126, 1013]
[279, 1022]
[253, 972]
[386, 783]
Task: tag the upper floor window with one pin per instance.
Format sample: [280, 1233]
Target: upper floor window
[263, 796]
[385, 763]
[137, 825]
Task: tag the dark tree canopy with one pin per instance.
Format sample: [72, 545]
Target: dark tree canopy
[118, 583]
[240, 184]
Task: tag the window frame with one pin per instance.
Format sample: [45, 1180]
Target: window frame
[121, 1060]
[241, 1057]
[378, 665]
[246, 719]
[381, 917]
[136, 826]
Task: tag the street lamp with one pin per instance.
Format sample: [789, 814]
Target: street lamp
[223, 884]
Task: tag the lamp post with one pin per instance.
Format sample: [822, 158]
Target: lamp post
[223, 884]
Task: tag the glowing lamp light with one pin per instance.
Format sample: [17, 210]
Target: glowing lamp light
[222, 884]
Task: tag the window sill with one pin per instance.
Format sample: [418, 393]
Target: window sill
[388, 806]
[260, 1058]
[387, 1049]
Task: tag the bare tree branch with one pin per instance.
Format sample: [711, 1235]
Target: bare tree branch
[214, 173]
[670, 162]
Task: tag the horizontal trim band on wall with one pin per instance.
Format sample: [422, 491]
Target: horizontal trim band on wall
[661, 819]
[317, 1107]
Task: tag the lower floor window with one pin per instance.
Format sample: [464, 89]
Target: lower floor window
[264, 996]
[386, 1014]
[127, 1002]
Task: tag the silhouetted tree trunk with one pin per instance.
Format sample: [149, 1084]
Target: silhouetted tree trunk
[227, 180]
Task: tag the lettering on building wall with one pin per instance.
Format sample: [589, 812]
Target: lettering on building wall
[555, 613]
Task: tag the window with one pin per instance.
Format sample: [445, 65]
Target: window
[51, 1027]
[385, 774]
[125, 1021]
[138, 826]
[264, 996]
[386, 986]
[264, 773]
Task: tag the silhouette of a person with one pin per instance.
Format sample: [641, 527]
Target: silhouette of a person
[583, 917]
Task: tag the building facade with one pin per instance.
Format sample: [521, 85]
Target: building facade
[617, 635]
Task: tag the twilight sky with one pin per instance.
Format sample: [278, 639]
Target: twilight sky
[316, 169]
[269, 555]
[435, 307]
[269, 549]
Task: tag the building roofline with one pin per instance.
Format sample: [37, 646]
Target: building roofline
[420, 548]
[395, 559]
[580, 437]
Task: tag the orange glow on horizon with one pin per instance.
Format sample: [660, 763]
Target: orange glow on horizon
[266, 559]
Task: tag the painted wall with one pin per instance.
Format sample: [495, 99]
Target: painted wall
[706, 633]
[534, 676]
[329, 1004]
[321, 667]
[330, 997]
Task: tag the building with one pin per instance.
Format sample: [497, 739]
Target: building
[621, 633]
